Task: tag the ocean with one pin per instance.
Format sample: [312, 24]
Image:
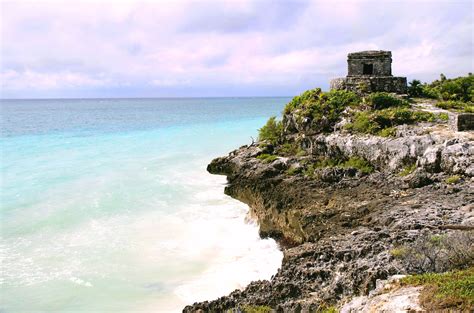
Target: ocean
[106, 204]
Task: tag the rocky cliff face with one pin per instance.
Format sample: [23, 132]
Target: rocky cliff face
[338, 226]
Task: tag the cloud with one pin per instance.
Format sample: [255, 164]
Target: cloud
[29, 80]
[240, 47]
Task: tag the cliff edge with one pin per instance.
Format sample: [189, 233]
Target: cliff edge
[355, 190]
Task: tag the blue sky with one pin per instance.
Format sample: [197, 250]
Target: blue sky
[220, 48]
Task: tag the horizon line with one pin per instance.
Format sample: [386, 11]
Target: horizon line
[142, 98]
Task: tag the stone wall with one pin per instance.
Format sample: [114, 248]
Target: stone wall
[365, 84]
[380, 60]
[461, 121]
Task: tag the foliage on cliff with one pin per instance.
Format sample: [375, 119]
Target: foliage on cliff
[456, 93]
[271, 131]
[447, 291]
[384, 100]
[382, 122]
[323, 109]
[355, 162]
[458, 106]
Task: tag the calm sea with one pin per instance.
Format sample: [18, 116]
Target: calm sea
[106, 204]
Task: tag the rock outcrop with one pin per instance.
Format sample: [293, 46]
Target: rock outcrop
[337, 227]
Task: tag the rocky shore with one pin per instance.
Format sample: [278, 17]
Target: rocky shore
[339, 225]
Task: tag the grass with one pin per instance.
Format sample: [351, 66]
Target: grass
[408, 170]
[267, 158]
[453, 179]
[446, 291]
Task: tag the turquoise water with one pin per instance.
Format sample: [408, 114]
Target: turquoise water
[106, 204]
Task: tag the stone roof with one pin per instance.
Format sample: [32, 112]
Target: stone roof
[369, 54]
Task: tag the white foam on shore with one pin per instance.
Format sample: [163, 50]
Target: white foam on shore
[164, 257]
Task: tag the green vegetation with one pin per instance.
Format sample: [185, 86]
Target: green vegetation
[459, 89]
[290, 148]
[267, 158]
[399, 252]
[439, 253]
[256, 309]
[292, 171]
[443, 116]
[447, 291]
[384, 100]
[271, 131]
[455, 91]
[327, 309]
[415, 88]
[324, 109]
[388, 132]
[374, 122]
[453, 179]
[408, 170]
[358, 163]
[458, 106]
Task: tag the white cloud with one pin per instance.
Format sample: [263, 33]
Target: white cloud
[27, 80]
[59, 45]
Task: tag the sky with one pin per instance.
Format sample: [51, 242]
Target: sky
[113, 48]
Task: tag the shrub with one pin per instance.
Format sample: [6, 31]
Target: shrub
[288, 148]
[453, 179]
[362, 123]
[388, 132]
[327, 309]
[408, 170]
[374, 122]
[461, 88]
[267, 158]
[443, 116]
[293, 171]
[360, 164]
[429, 92]
[456, 106]
[323, 109]
[271, 131]
[353, 162]
[308, 96]
[439, 253]
[327, 162]
[458, 89]
[399, 252]
[383, 100]
[415, 88]
[451, 291]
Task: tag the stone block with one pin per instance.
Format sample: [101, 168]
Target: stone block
[461, 121]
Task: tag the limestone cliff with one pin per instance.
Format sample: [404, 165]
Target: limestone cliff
[338, 224]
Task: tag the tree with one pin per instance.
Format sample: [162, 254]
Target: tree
[415, 89]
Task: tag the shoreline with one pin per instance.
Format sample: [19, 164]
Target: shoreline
[338, 229]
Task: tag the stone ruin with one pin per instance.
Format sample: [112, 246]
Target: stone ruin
[370, 71]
